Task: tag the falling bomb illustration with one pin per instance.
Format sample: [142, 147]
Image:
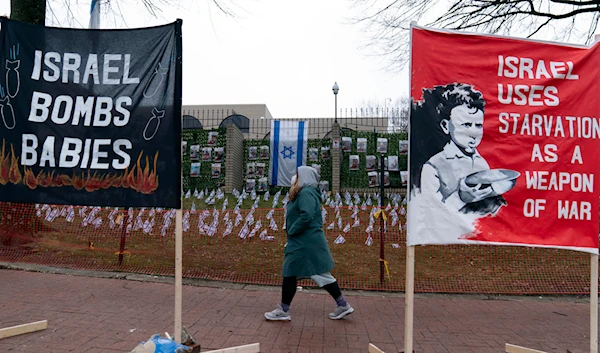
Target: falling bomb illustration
[8, 113]
[149, 131]
[13, 78]
[155, 81]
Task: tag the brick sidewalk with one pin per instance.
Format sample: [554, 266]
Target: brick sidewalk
[100, 315]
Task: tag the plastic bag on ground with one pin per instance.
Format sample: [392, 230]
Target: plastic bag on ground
[157, 344]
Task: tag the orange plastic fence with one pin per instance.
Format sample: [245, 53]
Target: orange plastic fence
[246, 245]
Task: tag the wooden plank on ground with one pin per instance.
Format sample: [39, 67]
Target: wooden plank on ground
[249, 348]
[511, 348]
[21, 329]
[374, 349]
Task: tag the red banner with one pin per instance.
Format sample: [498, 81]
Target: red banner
[504, 142]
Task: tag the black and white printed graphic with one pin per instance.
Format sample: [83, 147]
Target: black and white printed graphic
[371, 163]
[392, 163]
[218, 154]
[252, 153]
[260, 170]
[354, 162]
[347, 144]
[382, 145]
[325, 153]
[361, 145]
[264, 152]
[195, 152]
[313, 154]
[90, 117]
[447, 171]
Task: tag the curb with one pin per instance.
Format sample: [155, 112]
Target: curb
[129, 276]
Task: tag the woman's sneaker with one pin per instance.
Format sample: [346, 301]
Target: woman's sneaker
[278, 315]
[341, 311]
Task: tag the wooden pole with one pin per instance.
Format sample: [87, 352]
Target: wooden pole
[594, 288]
[178, 117]
[123, 237]
[409, 291]
[381, 220]
[178, 272]
[409, 298]
[594, 304]
[22, 329]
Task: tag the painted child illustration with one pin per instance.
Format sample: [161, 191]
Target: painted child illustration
[460, 113]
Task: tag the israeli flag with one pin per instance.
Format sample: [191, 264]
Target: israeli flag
[95, 14]
[288, 150]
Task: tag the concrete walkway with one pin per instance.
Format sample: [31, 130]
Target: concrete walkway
[87, 312]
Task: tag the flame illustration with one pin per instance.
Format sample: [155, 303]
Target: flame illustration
[107, 181]
[57, 181]
[77, 182]
[14, 174]
[141, 179]
[125, 179]
[29, 178]
[117, 181]
[66, 180]
[92, 183]
[42, 179]
[45, 180]
[4, 165]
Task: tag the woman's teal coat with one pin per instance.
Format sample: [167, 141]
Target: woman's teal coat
[307, 252]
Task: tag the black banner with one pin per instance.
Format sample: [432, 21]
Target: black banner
[90, 117]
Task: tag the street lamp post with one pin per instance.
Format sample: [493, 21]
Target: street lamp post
[335, 89]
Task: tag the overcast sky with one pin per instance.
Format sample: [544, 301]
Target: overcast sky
[285, 54]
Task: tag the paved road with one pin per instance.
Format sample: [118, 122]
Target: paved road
[88, 313]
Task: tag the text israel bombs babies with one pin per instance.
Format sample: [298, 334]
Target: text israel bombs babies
[84, 111]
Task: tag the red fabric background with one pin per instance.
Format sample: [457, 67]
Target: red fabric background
[439, 58]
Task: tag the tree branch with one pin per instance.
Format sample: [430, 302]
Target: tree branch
[386, 21]
[577, 3]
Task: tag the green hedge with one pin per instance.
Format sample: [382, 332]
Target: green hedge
[204, 180]
[359, 178]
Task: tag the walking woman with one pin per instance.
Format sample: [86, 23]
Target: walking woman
[307, 253]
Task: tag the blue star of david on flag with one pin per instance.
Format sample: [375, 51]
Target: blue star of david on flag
[288, 152]
[289, 140]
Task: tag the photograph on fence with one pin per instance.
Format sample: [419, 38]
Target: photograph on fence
[354, 171]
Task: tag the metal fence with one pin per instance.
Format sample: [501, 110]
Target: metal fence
[247, 245]
[241, 238]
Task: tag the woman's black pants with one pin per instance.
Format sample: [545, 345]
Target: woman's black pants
[289, 285]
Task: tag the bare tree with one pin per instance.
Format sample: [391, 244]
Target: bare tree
[400, 115]
[34, 11]
[387, 21]
[30, 11]
[397, 111]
